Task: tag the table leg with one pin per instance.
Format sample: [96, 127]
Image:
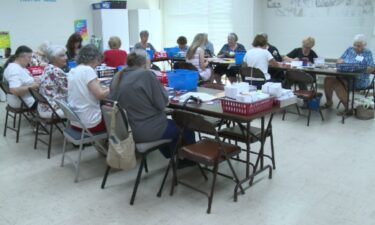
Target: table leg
[248, 149]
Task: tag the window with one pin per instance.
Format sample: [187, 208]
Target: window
[187, 18]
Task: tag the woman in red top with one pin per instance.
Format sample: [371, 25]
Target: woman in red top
[115, 57]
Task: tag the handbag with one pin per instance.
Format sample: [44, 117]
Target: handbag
[121, 153]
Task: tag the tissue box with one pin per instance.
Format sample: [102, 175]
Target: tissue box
[274, 89]
[233, 90]
[250, 97]
[297, 64]
[286, 101]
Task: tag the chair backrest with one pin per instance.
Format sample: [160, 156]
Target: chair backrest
[213, 86]
[69, 113]
[1, 74]
[194, 122]
[184, 65]
[5, 87]
[249, 73]
[40, 99]
[121, 128]
[299, 76]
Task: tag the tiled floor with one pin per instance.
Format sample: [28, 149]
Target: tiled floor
[325, 175]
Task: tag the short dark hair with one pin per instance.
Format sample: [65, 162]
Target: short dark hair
[259, 41]
[19, 51]
[7, 52]
[88, 54]
[234, 35]
[182, 40]
[74, 38]
[144, 33]
[22, 49]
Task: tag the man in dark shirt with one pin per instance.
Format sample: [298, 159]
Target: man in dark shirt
[276, 75]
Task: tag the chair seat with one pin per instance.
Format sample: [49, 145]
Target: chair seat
[146, 146]
[206, 151]
[305, 94]
[17, 110]
[214, 121]
[235, 133]
[74, 136]
[50, 120]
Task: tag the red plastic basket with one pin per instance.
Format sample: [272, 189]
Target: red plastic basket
[36, 70]
[246, 109]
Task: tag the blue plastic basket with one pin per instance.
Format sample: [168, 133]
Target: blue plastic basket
[315, 102]
[183, 79]
[72, 64]
[351, 67]
[172, 52]
[238, 57]
[150, 54]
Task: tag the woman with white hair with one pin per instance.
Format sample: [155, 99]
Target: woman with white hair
[355, 54]
[54, 83]
[40, 57]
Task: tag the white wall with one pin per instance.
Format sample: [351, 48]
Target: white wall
[188, 18]
[333, 27]
[31, 23]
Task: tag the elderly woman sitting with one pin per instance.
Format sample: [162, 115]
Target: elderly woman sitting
[228, 51]
[356, 54]
[115, 57]
[84, 90]
[303, 54]
[54, 82]
[139, 92]
[144, 44]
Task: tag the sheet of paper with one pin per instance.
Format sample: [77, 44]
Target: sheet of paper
[203, 96]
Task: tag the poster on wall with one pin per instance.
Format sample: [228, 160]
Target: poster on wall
[4, 39]
[80, 26]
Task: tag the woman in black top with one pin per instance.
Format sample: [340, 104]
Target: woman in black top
[228, 51]
[303, 54]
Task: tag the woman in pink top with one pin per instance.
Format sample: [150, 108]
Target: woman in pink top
[195, 56]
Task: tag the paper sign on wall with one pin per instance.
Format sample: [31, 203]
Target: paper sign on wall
[4, 39]
[80, 26]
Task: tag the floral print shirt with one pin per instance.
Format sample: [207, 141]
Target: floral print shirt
[54, 85]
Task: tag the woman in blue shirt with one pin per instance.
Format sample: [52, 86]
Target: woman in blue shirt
[228, 51]
[358, 54]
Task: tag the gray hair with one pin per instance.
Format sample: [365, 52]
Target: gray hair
[88, 54]
[138, 58]
[234, 35]
[360, 38]
[265, 35]
[144, 33]
[53, 51]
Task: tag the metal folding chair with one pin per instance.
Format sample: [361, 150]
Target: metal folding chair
[208, 151]
[79, 137]
[142, 149]
[252, 74]
[13, 112]
[54, 120]
[302, 77]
